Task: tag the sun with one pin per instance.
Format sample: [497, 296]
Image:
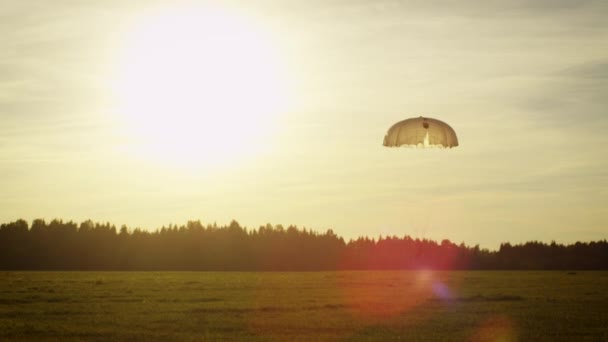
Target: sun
[199, 86]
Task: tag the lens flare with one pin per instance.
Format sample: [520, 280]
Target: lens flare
[496, 329]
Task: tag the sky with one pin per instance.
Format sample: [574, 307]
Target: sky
[137, 113]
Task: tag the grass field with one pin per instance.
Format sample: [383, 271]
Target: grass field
[416, 305]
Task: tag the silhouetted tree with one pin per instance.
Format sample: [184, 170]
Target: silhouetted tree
[61, 245]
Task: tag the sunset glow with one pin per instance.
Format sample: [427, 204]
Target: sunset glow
[370, 170]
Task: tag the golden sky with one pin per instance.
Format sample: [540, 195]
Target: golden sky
[155, 112]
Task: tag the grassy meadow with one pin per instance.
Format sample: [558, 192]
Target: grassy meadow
[390, 305]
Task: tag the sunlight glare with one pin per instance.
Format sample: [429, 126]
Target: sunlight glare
[199, 86]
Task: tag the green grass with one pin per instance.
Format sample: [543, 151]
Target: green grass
[424, 305]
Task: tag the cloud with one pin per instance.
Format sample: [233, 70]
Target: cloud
[573, 98]
[594, 70]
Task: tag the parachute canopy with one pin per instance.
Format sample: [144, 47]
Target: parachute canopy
[421, 132]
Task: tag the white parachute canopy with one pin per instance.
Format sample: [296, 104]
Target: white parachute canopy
[421, 132]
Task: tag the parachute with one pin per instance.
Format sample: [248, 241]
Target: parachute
[421, 132]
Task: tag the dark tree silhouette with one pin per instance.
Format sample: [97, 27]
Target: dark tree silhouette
[60, 245]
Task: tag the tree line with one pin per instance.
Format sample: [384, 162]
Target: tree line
[59, 245]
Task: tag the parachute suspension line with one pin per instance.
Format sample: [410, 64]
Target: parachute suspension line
[425, 124]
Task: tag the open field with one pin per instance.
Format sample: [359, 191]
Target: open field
[415, 305]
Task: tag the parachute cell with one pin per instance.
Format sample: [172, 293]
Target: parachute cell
[421, 132]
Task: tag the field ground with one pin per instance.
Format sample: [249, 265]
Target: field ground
[406, 305]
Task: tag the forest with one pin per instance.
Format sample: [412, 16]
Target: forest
[61, 245]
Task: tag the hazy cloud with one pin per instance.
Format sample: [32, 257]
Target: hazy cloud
[589, 70]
